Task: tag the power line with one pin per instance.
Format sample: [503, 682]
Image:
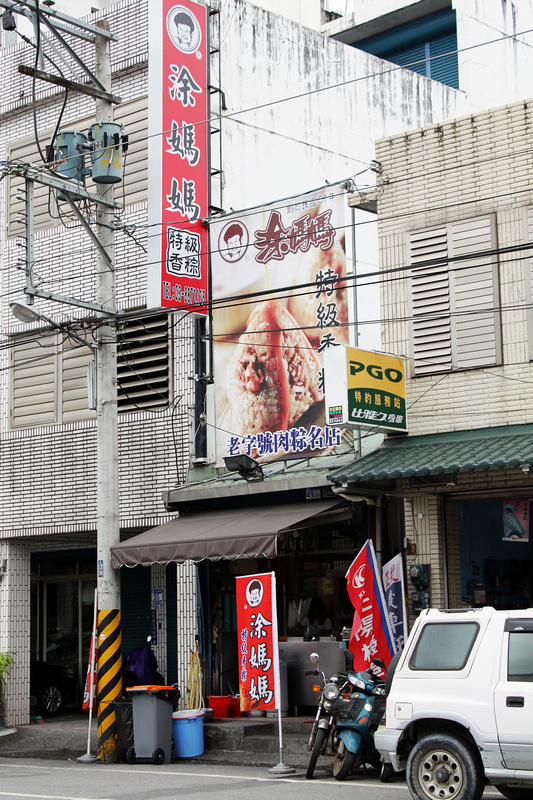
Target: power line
[362, 280]
[311, 92]
[218, 119]
[381, 220]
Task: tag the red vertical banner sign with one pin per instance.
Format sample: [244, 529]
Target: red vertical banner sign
[257, 630]
[89, 694]
[371, 634]
[184, 166]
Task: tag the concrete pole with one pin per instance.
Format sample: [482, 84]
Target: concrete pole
[108, 532]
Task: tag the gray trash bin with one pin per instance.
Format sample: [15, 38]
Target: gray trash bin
[152, 722]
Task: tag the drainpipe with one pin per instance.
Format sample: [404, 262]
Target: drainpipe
[379, 530]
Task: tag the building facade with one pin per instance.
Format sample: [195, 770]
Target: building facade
[296, 109]
[455, 248]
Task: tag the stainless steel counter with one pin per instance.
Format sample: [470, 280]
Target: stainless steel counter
[295, 653]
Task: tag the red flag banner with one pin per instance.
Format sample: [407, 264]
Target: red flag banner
[91, 669]
[371, 635]
[257, 628]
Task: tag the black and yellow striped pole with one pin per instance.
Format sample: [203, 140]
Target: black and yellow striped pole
[109, 685]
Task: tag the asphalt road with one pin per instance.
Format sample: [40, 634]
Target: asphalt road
[46, 780]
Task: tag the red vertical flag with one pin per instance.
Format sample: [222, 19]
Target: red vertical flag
[371, 635]
[257, 629]
[90, 680]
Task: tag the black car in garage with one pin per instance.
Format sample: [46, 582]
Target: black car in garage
[52, 686]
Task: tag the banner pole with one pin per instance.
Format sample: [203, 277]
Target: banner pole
[88, 757]
[280, 768]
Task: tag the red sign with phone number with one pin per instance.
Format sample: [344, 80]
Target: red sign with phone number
[184, 167]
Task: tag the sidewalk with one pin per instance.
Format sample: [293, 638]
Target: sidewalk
[244, 741]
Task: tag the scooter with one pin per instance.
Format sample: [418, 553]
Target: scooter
[323, 722]
[357, 716]
[350, 709]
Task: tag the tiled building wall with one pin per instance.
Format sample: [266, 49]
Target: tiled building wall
[58, 467]
[472, 166]
[187, 627]
[15, 626]
[423, 528]
[459, 170]
[48, 490]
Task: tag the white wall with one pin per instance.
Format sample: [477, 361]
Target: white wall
[489, 73]
[303, 109]
[499, 72]
[305, 12]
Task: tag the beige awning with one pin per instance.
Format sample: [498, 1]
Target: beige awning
[250, 532]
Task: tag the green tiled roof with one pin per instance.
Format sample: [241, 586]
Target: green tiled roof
[437, 454]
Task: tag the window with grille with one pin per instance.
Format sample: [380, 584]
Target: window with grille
[49, 373]
[427, 45]
[455, 304]
[143, 363]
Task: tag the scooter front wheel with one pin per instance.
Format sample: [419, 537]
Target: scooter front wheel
[344, 762]
[320, 740]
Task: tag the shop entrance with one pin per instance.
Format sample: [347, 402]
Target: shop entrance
[62, 608]
[311, 563]
[496, 552]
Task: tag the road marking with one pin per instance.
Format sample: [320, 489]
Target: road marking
[392, 786]
[49, 796]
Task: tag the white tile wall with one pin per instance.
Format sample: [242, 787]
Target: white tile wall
[48, 487]
[457, 170]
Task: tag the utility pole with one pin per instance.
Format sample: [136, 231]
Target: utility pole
[108, 532]
[109, 155]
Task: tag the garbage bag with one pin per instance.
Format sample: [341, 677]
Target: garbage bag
[142, 662]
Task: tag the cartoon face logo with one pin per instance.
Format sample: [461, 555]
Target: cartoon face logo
[254, 593]
[233, 241]
[183, 29]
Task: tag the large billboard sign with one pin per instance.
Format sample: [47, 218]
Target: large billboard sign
[365, 389]
[178, 155]
[281, 299]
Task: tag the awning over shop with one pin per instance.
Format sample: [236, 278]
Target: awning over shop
[438, 454]
[250, 532]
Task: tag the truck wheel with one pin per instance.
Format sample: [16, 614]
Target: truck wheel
[441, 765]
[516, 792]
[321, 736]
[343, 763]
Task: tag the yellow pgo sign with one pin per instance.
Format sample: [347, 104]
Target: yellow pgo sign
[364, 388]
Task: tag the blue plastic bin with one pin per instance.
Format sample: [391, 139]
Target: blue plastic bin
[188, 732]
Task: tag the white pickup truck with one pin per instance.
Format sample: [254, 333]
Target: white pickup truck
[460, 705]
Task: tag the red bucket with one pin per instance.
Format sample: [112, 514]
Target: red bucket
[221, 705]
[236, 707]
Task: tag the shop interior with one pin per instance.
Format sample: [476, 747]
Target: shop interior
[496, 552]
